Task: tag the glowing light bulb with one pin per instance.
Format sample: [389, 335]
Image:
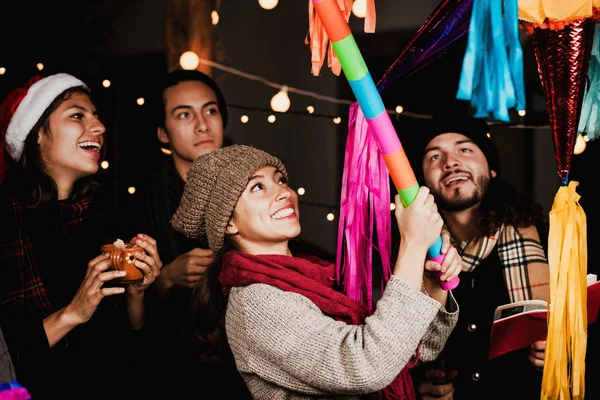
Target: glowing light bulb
[104, 164]
[281, 101]
[214, 17]
[106, 83]
[580, 145]
[131, 189]
[399, 109]
[166, 151]
[337, 120]
[140, 101]
[330, 217]
[244, 118]
[271, 118]
[522, 113]
[268, 4]
[392, 206]
[301, 191]
[39, 66]
[189, 60]
[310, 109]
[2, 70]
[359, 8]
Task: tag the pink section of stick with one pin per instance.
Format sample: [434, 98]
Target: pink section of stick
[439, 259]
[385, 134]
[449, 285]
[446, 285]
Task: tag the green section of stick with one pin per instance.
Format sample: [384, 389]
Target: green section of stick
[350, 58]
[408, 195]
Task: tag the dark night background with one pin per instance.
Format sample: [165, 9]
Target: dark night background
[123, 41]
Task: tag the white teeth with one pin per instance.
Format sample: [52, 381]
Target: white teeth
[283, 213]
[459, 178]
[95, 146]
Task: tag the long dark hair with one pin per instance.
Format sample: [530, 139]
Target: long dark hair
[503, 204]
[32, 175]
[209, 304]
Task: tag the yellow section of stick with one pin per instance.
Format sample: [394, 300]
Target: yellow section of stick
[564, 368]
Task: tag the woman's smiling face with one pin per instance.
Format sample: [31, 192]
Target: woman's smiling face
[266, 213]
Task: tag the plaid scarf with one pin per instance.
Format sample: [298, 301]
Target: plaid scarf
[524, 263]
[315, 279]
[22, 293]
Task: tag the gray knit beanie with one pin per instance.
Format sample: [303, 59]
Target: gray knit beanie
[215, 182]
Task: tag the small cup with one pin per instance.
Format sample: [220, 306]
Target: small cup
[123, 259]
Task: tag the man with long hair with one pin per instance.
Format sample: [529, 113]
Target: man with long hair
[496, 231]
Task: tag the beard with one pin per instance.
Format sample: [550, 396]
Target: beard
[460, 202]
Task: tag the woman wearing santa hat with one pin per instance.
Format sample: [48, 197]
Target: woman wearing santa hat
[67, 323]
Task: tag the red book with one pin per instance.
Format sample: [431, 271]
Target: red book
[518, 325]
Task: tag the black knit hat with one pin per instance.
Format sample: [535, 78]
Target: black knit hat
[474, 128]
[184, 75]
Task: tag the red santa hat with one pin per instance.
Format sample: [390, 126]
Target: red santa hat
[22, 109]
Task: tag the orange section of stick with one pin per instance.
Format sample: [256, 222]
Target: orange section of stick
[400, 171]
[335, 25]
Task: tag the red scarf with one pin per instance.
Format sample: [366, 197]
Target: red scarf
[315, 279]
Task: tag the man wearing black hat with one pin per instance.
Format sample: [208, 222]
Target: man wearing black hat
[495, 230]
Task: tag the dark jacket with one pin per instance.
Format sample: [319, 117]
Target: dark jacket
[44, 255]
[510, 376]
[176, 358]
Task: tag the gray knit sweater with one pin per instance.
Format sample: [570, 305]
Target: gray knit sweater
[286, 348]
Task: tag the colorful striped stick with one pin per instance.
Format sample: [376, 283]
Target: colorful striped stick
[370, 102]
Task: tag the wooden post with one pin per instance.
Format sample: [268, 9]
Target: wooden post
[188, 26]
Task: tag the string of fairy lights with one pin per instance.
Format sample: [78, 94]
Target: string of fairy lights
[276, 109]
[279, 105]
[280, 102]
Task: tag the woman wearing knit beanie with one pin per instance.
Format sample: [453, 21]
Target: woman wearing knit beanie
[67, 324]
[293, 333]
